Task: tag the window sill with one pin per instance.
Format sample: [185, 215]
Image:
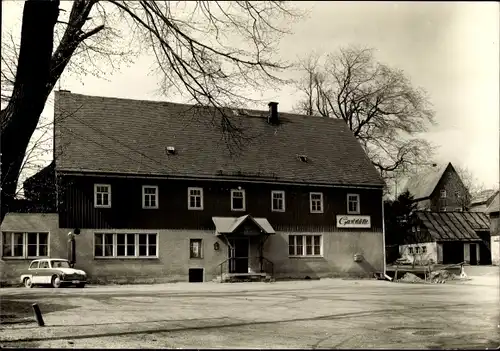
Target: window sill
[96, 206]
[195, 258]
[353, 213]
[195, 209]
[238, 210]
[14, 258]
[150, 208]
[316, 212]
[282, 211]
[307, 257]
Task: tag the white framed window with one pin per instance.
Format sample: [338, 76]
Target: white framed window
[316, 202]
[25, 245]
[149, 196]
[123, 245]
[305, 245]
[410, 250]
[237, 200]
[195, 248]
[353, 206]
[442, 194]
[195, 198]
[102, 195]
[424, 249]
[278, 201]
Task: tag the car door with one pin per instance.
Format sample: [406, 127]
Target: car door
[33, 271]
[44, 272]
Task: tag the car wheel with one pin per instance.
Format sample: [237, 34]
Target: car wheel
[81, 285]
[56, 281]
[28, 283]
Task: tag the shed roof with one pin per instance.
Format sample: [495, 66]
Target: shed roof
[454, 226]
[131, 137]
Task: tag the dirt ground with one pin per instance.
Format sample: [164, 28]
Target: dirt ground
[330, 313]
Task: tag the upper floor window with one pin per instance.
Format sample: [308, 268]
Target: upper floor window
[102, 195]
[278, 201]
[237, 200]
[195, 198]
[149, 196]
[25, 245]
[353, 204]
[442, 194]
[316, 202]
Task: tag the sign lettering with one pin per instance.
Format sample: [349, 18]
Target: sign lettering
[350, 221]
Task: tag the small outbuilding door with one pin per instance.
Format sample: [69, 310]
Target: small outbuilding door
[473, 254]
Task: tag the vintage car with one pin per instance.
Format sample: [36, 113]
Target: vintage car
[53, 271]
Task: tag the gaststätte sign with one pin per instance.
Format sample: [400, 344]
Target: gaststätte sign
[353, 221]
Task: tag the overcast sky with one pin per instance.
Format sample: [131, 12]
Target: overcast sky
[449, 49]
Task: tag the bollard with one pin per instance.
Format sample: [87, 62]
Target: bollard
[38, 315]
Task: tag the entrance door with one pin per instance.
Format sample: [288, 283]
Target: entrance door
[239, 263]
[473, 254]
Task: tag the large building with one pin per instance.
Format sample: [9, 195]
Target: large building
[160, 193]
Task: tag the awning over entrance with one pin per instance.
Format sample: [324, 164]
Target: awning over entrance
[230, 225]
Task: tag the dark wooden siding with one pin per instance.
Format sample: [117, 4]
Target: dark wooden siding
[77, 206]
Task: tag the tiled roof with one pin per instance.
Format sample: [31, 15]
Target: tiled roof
[494, 205]
[422, 185]
[111, 135]
[29, 222]
[454, 226]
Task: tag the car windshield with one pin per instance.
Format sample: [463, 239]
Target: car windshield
[60, 264]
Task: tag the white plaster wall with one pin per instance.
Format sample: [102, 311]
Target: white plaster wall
[495, 250]
[439, 253]
[431, 254]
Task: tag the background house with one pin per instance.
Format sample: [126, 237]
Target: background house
[160, 194]
[438, 189]
[482, 200]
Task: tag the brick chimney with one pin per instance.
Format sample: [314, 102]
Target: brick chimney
[273, 117]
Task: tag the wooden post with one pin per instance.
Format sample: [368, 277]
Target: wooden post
[38, 315]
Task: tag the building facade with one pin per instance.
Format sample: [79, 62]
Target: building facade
[158, 195]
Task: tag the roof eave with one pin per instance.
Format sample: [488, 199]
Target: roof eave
[62, 171]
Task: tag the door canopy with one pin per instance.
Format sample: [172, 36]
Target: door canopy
[244, 225]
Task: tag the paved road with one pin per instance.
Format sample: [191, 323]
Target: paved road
[330, 313]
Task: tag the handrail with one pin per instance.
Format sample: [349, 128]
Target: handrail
[221, 265]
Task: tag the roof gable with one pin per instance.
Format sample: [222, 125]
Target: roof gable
[494, 205]
[422, 185]
[131, 136]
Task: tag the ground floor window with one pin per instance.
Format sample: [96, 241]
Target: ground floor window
[125, 245]
[304, 245]
[25, 245]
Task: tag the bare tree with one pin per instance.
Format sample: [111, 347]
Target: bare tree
[472, 184]
[207, 49]
[377, 102]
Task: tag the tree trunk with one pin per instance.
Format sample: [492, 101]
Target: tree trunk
[31, 89]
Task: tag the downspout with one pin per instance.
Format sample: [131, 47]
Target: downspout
[383, 242]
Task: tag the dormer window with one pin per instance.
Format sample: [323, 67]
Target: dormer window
[102, 195]
[443, 194]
